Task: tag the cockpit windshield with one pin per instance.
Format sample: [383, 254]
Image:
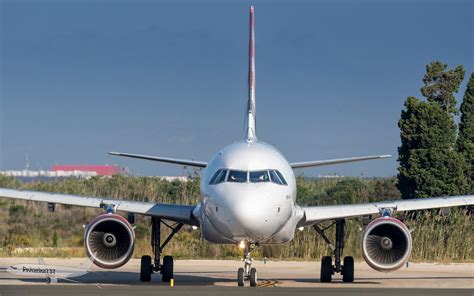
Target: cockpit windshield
[259, 176]
[235, 176]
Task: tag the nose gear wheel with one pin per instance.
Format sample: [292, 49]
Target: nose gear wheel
[247, 273]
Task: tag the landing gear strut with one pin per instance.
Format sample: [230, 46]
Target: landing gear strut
[247, 272]
[147, 268]
[346, 269]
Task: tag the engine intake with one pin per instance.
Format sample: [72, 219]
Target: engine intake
[109, 240]
[386, 244]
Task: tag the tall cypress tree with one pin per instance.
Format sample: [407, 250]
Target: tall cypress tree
[465, 143]
[429, 162]
[440, 84]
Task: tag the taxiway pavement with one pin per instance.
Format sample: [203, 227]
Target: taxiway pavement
[217, 277]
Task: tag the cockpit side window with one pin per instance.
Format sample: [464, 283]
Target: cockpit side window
[277, 177]
[214, 176]
[281, 177]
[237, 176]
[259, 176]
[218, 177]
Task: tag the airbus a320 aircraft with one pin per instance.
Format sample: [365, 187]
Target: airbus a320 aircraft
[248, 197]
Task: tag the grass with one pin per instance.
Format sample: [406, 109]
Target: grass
[28, 230]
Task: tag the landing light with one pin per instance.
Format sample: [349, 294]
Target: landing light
[301, 228]
[242, 245]
[194, 227]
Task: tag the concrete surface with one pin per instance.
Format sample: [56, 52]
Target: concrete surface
[63, 290]
[219, 275]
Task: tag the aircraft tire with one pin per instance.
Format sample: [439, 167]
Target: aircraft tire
[326, 269]
[348, 270]
[240, 277]
[167, 269]
[145, 269]
[253, 277]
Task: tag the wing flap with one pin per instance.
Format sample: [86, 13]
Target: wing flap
[322, 213]
[179, 213]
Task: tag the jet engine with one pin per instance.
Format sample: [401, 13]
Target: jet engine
[109, 240]
[386, 244]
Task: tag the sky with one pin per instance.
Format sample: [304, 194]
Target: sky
[81, 78]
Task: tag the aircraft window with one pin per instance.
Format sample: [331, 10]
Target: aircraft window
[218, 177]
[281, 177]
[259, 176]
[237, 176]
[214, 177]
[275, 178]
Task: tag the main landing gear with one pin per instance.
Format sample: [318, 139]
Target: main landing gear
[147, 268]
[247, 273]
[346, 269]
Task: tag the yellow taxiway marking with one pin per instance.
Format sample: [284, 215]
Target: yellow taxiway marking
[268, 283]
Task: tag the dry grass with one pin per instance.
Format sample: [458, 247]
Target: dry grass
[27, 229]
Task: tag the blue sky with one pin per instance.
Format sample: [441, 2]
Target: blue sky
[80, 78]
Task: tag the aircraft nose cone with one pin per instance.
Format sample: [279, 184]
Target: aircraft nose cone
[250, 214]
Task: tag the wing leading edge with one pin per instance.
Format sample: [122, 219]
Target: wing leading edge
[317, 214]
[178, 213]
[315, 163]
[188, 162]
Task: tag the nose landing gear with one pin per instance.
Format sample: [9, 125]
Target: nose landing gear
[247, 273]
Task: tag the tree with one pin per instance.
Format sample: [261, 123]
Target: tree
[349, 191]
[429, 164]
[465, 142]
[440, 85]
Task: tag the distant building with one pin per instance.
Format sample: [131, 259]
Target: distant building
[66, 171]
[85, 171]
[96, 170]
[334, 176]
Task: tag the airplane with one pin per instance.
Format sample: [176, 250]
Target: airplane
[248, 198]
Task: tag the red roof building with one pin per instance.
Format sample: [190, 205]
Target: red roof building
[101, 170]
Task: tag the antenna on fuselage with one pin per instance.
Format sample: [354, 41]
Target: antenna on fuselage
[250, 120]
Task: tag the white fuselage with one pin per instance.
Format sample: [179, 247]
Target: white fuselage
[262, 212]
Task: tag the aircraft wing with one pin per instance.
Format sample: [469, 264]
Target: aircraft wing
[315, 214]
[178, 213]
[193, 163]
[315, 163]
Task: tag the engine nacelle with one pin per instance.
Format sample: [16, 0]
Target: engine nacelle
[109, 240]
[386, 244]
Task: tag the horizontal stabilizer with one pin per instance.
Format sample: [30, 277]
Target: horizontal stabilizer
[315, 163]
[193, 163]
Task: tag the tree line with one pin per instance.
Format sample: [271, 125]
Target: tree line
[436, 155]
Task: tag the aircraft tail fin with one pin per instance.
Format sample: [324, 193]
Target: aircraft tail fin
[250, 117]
